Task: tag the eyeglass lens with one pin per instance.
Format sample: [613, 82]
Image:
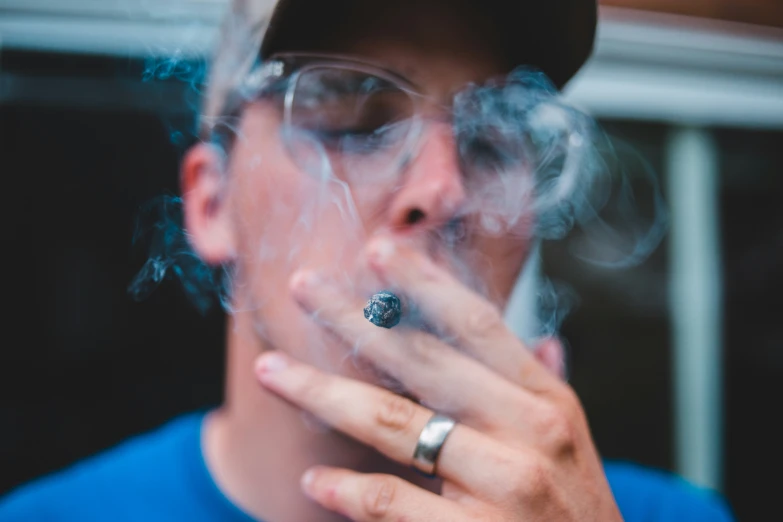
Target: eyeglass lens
[358, 122]
[358, 125]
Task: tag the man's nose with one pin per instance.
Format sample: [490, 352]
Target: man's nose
[432, 190]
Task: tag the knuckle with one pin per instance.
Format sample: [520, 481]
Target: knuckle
[422, 348]
[572, 404]
[534, 480]
[379, 497]
[564, 395]
[396, 413]
[484, 322]
[558, 431]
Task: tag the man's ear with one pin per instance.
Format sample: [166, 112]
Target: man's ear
[207, 217]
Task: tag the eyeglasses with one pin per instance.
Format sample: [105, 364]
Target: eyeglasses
[362, 123]
[342, 117]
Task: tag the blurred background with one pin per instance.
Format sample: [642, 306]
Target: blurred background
[679, 361]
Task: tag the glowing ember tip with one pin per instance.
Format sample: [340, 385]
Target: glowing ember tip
[384, 309]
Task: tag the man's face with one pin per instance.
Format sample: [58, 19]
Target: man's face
[283, 214]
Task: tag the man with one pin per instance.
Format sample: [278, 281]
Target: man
[348, 160]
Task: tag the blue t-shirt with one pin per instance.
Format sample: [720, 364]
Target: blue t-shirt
[162, 476]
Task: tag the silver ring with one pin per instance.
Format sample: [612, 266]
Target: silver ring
[431, 440]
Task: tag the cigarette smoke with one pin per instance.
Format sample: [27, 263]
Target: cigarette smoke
[526, 156]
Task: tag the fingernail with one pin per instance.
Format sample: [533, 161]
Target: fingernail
[303, 280]
[382, 250]
[308, 479]
[271, 363]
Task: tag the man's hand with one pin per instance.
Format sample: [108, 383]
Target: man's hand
[522, 450]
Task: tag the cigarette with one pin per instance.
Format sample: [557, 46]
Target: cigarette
[384, 310]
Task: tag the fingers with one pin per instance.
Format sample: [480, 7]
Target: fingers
[477, 325]
[378, 498]
[380, 419]
[439, 375]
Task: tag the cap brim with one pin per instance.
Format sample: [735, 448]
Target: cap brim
[555, 36]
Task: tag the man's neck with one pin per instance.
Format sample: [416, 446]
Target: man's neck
[257, 446]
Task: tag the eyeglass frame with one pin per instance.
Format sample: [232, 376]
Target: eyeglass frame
[281, 72]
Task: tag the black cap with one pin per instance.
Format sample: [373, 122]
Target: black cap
[555, 36]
